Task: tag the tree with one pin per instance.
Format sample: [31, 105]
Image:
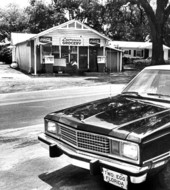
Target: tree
[87, 11]
[92, 13]
[157, 14]
[12, 19]
[125, 21]
[42, 16]
[70, 7]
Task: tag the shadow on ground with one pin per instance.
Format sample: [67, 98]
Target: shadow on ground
[113, 78]
[73, 178]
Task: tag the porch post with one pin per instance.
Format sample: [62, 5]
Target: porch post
[78, 64]
[29, 57]
[13, 53]
[104, 50]
[120, 61]
[35, 56]
[88, 58]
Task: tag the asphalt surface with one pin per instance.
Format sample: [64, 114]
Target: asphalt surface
[29, 108]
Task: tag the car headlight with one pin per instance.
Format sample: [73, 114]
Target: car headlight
[130, 150]
[52, 127]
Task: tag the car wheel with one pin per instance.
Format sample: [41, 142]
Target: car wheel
[164, 177]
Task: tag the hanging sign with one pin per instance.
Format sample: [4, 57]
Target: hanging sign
[45, 39]
[71, 41]
[94, 41]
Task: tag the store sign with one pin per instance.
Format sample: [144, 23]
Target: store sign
[45, 39]
[101, 59]
[71, 41]
[94, 41]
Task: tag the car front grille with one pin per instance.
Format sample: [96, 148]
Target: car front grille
[84, 140]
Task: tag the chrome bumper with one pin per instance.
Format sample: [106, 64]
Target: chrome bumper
[92, 162]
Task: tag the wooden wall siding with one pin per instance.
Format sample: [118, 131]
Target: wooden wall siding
[112, 61]
[32, 56]
[69, 33]
[22, 56]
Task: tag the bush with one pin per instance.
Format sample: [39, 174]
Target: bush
[129, 60]
[167, 62]
[6, 55]
[140, 64]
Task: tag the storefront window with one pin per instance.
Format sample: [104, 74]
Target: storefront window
[73, 53]
[46, 49]
[65, 53]
[55, 51]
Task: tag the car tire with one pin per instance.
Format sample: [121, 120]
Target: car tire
[164, 177]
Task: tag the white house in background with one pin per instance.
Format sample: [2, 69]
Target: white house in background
[137, 49]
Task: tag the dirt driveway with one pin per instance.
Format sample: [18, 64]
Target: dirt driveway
[15, 81]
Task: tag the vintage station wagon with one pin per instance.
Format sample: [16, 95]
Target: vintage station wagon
[126, 138]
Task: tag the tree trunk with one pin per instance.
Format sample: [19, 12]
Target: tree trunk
[157, 19]
[157, 44]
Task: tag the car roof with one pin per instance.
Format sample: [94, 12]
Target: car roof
[160, 67]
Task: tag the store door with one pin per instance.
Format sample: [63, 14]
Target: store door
[93, 59]
[112, 61]
[83, 58]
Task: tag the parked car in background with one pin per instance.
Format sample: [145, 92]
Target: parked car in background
[126, 138]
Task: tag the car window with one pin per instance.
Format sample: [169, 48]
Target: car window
[164, 84]
[151, 82]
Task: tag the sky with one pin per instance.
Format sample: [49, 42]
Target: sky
[20, 3]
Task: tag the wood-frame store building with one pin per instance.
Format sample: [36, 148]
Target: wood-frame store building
[53, 49]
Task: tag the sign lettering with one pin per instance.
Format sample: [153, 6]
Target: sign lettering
[45, 39]
[71, 41]
[94, 41]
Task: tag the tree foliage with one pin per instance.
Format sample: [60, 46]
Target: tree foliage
[12, 19]
[126, 21]
[42, 16]
[92, 14]
[70, 7]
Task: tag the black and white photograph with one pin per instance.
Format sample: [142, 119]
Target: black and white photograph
[84, 94]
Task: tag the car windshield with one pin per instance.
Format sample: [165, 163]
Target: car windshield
[151, 83]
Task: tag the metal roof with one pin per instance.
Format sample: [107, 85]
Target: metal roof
[133, 45]
[20, 37]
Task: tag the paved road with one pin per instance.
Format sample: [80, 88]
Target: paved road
[25, 109]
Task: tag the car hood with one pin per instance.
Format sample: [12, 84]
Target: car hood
[121, 117]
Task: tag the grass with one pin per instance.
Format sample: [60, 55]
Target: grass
[31, 83]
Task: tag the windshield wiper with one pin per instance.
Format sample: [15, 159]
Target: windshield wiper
[131, 93]
[159, 95]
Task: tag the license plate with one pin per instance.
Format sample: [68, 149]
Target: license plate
[115, 178]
